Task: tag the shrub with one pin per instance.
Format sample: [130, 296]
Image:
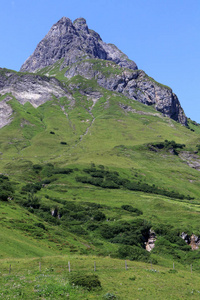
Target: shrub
[173, 271]
[92, 227]
[62, 171]
[32, 187]
[133, 253]
[99, 216]
[78, 230]
[4, 195]
[85, 280]
[32, 201]
[37, 167]
[132, 209]
[132, 278]
[6, 188]
[109, 296]
[40, 225]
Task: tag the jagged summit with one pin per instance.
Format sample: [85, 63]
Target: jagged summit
[73, 42]
[80, 24]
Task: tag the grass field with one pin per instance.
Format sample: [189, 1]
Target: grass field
[48, 277]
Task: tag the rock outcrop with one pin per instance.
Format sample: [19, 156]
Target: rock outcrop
[135, 85]
[31, 88]
[193, 240]
[150, 244]
[5, 111]
[192, 159]
[73, 42]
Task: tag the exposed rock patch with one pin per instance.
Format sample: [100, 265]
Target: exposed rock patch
[193, 240]
[193, 160]
[150, 244]
[31, 88]
[5, 112]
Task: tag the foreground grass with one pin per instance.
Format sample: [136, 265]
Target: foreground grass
[47, 278]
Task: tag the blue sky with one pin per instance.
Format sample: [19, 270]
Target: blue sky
[161, 36]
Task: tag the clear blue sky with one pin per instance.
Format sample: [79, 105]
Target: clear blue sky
[161, 36]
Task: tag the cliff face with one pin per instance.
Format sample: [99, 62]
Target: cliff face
[134, 84]
[84, 53]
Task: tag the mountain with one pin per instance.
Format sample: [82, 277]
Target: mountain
[74, 42]
[97, 160]
[75, 47]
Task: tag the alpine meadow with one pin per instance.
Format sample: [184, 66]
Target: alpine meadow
[99, 177]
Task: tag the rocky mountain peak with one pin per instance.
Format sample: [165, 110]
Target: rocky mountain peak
[61, 28]
[73, 42]
[80, 24]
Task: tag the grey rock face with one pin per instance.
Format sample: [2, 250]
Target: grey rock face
[31, 88]
[27, 88]
[5, 112]
[134, 84]
[191, 159]
[73, 42]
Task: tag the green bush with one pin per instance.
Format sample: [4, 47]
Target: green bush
[6, 188]
[32, 187]
[99, 216]
[85, 280]
[135, 232]
[37, 167]
[109, 296]
[130, 208]
[92, 227]
[77, 229]
[40, 225]
[4, 195]
[133, 253]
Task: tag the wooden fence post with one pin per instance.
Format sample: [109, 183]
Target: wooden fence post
[94, 266]
[69, 266]
[10, 269]
[40, 266]
[126, 267]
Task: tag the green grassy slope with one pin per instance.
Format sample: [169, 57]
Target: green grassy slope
[63, 140]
